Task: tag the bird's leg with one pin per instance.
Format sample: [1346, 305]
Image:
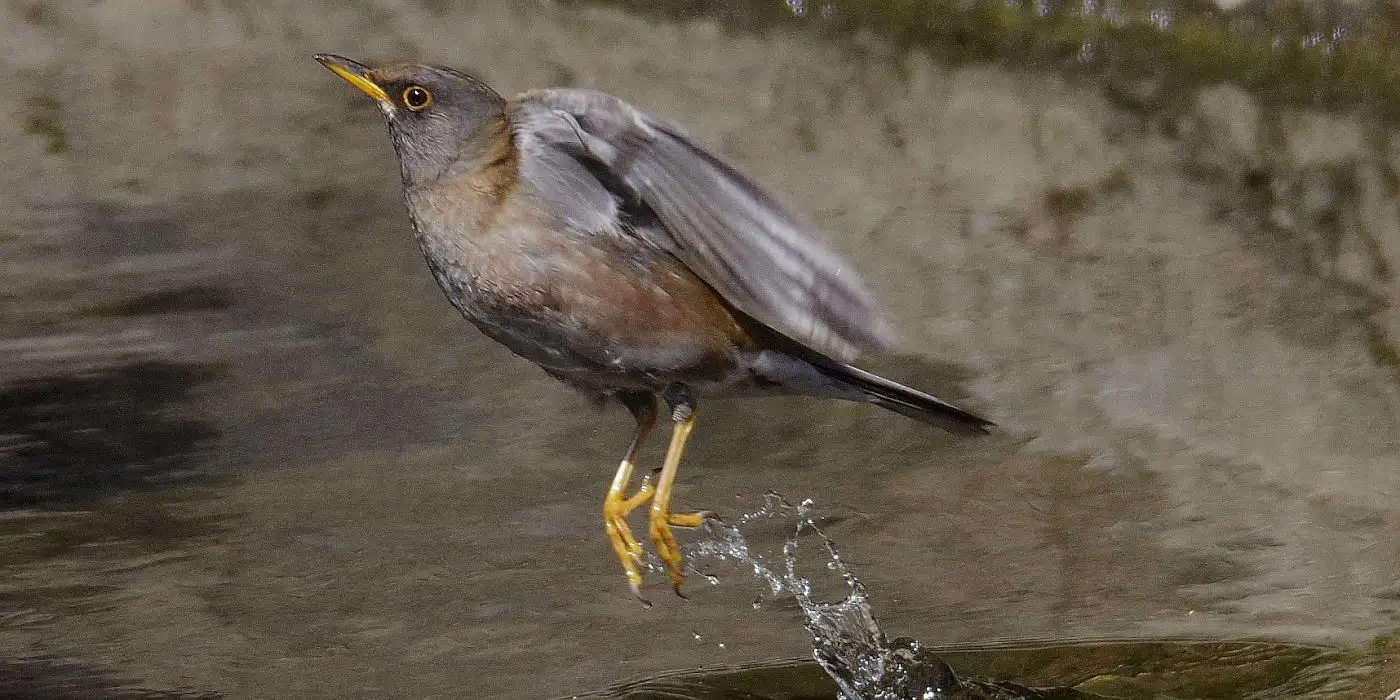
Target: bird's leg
[683, 417]
[617, 506]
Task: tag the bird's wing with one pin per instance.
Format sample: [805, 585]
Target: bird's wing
[664, 188]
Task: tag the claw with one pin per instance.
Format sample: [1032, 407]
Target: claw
[637, 592]
[617, 506]
[691, 520]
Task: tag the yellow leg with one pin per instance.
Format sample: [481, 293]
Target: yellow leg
[616, 507]
[661, 516]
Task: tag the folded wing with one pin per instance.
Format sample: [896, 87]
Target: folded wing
[607, 166]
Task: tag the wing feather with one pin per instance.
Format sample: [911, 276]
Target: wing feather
[756, 254]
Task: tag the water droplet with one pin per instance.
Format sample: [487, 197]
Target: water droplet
[1086, 52]
[847, 640]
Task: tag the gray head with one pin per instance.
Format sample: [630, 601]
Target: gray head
[430, 111]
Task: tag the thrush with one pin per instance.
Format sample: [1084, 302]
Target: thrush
[607, 247]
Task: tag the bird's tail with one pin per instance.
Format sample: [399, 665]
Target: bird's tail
[901, 399]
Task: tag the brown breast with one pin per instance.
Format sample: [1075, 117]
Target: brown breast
[644, 307]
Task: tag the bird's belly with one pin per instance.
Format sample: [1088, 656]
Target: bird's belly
[595, 315]
[606, 364]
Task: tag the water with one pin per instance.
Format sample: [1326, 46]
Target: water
[248, 450]
[846, 639]
[862, 663]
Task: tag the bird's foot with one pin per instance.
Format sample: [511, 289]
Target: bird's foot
[616, 508]
[662, 520]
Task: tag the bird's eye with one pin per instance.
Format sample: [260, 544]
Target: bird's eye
[417, 98]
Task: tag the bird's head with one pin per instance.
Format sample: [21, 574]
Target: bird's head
[431, 111]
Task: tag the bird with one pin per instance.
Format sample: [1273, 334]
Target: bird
[623, 258]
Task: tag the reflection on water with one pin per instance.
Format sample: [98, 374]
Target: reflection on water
[74, 439]
[1124, 671]
[58, 679]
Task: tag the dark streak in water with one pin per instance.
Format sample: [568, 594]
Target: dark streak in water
[61, 679]
[69, 440]
[195, 297]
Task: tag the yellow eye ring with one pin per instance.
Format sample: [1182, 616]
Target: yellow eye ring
[417, 98]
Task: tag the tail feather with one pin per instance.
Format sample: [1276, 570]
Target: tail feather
[902, 399]
[800, 369]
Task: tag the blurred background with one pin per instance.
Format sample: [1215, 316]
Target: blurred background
[248, 450]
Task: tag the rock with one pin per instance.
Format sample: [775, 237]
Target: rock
[1317, 140]
[1223, 131]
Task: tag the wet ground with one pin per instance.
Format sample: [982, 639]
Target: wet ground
[248, 450]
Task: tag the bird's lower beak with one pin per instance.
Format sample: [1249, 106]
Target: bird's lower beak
[353, 73]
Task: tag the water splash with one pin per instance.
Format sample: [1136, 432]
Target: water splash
[852, 649]
[846, 638]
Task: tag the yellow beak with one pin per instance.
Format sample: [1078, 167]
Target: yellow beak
[353, 73]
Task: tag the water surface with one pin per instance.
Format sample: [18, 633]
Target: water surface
[248, 449]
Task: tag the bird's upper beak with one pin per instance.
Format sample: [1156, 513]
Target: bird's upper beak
[355, 74]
